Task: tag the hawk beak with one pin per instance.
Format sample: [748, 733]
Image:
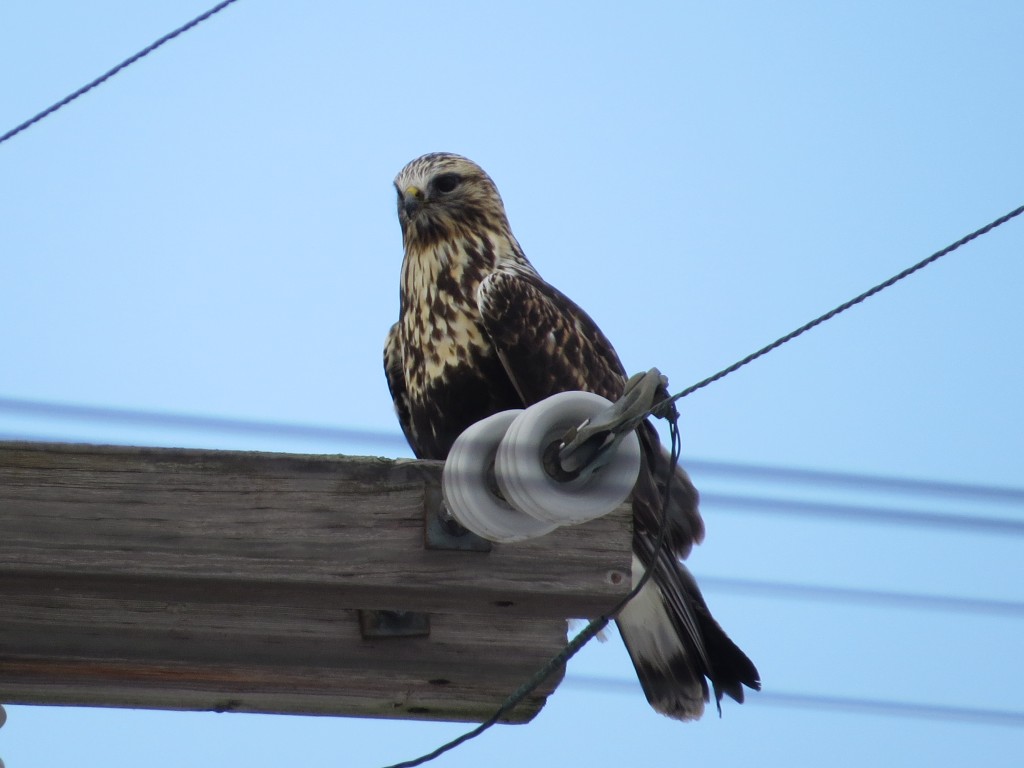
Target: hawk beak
[412, 200]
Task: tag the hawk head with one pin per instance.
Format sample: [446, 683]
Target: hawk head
[445, 197]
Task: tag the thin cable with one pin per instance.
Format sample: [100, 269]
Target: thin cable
[842, 308]
[794, 591]
[141, 418]
[859, 482]
[908, 709]
[107, 75]
[585, 636]
[899, 709]
[870, 514]
[864, 514]
[339, 434]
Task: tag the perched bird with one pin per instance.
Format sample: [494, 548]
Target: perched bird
[479, 331]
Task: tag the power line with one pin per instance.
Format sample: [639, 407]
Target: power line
[907, 709]
[721, 502]
[859, 481]
[873, 514]
[154, 419]
[794, 591]
[841, 308]
[866, 514]
[109, 74]
[387, 439]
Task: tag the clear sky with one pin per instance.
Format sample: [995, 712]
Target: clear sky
[213, 232]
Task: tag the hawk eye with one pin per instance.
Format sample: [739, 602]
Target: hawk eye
[447, 182]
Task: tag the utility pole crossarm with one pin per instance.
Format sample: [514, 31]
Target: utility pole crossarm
[193, 579]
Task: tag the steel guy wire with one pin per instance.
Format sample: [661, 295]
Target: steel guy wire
[776, 505]
[840, 309]
[386, 439]
[110, 73]
[787, 507]
[832, 594]
[847, 704]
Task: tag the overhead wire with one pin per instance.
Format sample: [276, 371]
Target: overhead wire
[832, 594]
[848, 704]
[841, 308]
[343, 435]
[776, 505]
[898, 709]
[866, 514]
[859, 481]
[111, 72]
[158, 419]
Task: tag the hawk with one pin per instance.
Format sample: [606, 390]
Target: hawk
[479, 331]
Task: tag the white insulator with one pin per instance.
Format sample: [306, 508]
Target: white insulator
[524, 482]
[465, 485]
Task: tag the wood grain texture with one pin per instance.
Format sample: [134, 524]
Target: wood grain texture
[191, 579]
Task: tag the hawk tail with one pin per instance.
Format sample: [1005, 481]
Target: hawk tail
[677, 646]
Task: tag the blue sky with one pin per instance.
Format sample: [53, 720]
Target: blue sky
[213, 232]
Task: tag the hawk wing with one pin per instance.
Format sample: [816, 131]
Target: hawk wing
[547, 345]
[394, 370]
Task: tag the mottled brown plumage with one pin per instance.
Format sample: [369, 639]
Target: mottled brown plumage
[479, 331]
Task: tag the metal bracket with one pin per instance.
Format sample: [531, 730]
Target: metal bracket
[442, 531]
[588, 446]
[375, 624]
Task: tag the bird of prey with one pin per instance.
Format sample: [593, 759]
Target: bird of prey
[479, 331]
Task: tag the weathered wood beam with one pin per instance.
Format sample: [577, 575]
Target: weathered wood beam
[221, 580]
